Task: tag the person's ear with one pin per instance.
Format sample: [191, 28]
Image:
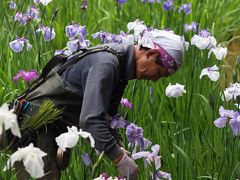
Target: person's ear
[152, 52]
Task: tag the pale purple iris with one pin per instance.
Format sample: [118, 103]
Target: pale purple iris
[204, 33]
[224, 116]
[18, 44]
[149, 156]
[191, 27]
[151, 1]
[76, 44]
[75, 30]
[33, 12]
[235, 124]
[62, 52]
[22, 18]
[47, 32]
[126, 103]
[162, 175]
[121, 1]
[84, 4]
[135, 134]
[118, 122]
[168, 5]
[26, 75]
[104, 36]
[12, 5]
[185, 8]
[86, 159]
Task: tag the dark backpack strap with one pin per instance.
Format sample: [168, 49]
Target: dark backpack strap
[47, 68]
[89, 51]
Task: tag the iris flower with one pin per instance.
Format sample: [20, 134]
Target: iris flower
[26, 75]
[126, 103]
[32, 160]
[47, 32]
[70, 138]
[232, 92]
[224, 116]
[203, 40]
[186, 8]
[219, 52]
[8, 119]
[44, 2]
[175, 90]
[211, 72]
[18, 44]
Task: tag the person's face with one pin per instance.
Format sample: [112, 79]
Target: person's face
[147, 67]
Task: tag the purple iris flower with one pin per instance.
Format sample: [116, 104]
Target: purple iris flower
[47, 32]
[121, 1]
[150, 156]
[18, 44]
[76, 44]
[33, 12]
[75, 30]
[22, 18]
[62, 52]
[235, 124]
[86, 159]
[135, 134]
[162, 175]
[12, 5]
[104, 36]
[84, 4]
[168, 5]
[26, 75]
[191, 27]
[224, 116]
[119, 122]
[186, 8]
[126, 103]
[204, 33]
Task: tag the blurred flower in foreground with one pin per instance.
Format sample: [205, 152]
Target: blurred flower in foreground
[186, 8]
[191, 27]
[175, 90]
[18, 44]
[168, 5]
[86, 159]
[211, 72]
[138, 27]
[47, 32]
[44, 2]
[126, 103]
[12, 5]
[8, 119]
[104, 36]
[218, 51]
[70, 138]
[32, 160]
[232, 92]
[26, 75]
[203, 40]
[76, 44]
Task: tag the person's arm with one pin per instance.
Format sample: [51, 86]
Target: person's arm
[96, 103]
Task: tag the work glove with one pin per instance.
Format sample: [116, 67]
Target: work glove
[127, 168]
[126, 152]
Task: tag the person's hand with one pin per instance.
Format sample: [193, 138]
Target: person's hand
[127, 167]
[126, 152]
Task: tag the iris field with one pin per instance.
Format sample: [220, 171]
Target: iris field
[197, 130]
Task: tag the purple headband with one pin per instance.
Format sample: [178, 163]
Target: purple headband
[166, 60]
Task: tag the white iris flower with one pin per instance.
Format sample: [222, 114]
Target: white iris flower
[211, 72]
[175, 90]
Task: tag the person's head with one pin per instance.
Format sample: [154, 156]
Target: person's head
[159, 54]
